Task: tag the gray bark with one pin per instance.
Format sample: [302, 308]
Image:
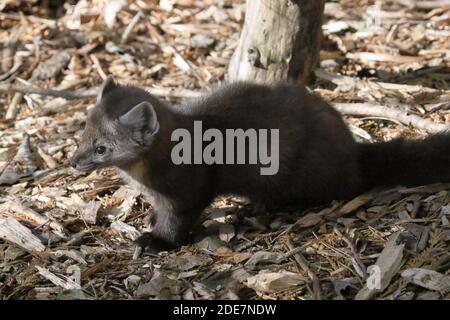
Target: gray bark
[280, 40]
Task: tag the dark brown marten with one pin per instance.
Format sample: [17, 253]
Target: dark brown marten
[319, 160]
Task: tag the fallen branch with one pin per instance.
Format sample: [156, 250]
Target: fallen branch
[70, 95]
[346, 83]
[427, 4]
[173, 92]
[130, 27]
[13, 108]
[368, 109]
[361, 109]
[86, 94]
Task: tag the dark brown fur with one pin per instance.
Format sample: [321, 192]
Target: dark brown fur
[319, 159]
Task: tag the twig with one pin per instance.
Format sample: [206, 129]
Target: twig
[71, 95]
[304, 265]
[130, 27]
[254, 242]
[173, 92]
[298, 249]
[15, 67]
[13, 108]
[98, 67]
[40, 70]
[368, 109]
[424, 4]
[185, 64]
[359, 263]
[346, 83]
[11, 62]
[77, 238]
[361, 109]
[34, 19]
[46, 92]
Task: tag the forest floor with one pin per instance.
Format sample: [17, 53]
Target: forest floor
[78, 228]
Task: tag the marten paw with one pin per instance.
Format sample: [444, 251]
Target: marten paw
[149, 243]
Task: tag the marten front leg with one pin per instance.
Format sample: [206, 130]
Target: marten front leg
[170, 224]
[168, 233]
[169, 230]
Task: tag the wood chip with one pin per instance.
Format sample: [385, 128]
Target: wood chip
[11, 230]
[23, 213]
[357, 202]
[384, 269]
[128, 197]
[125, 229]
[428, 279]
[65, 283]
[270, 282]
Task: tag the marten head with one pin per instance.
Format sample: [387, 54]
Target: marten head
[121, 126]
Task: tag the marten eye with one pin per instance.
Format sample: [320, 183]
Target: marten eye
[100, 150]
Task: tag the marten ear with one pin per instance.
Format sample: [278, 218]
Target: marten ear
[107, 86]
[142, 120]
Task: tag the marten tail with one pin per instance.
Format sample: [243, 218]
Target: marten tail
[406, 162]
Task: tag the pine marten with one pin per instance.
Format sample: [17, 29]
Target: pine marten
[317, 158]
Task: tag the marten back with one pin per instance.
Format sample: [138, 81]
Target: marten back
[318, 156]
[318, 159]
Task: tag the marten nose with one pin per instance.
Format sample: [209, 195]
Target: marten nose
[73, 163]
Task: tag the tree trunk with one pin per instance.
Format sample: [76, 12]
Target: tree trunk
[280, 40]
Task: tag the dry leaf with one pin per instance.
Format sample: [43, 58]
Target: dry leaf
[265, 257]
[270, 282]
